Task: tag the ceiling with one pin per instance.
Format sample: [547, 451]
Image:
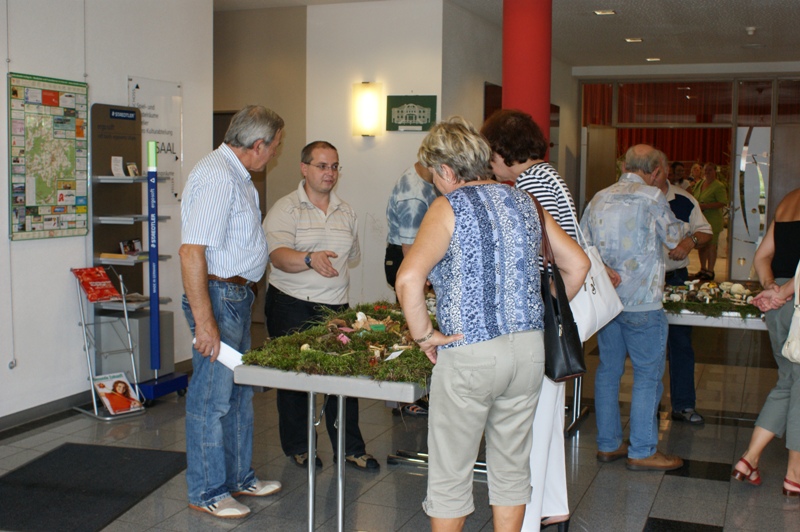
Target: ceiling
[676, 31]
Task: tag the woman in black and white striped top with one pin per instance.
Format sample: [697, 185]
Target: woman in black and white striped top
[519, 147]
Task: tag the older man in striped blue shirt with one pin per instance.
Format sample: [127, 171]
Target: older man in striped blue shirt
[223, 253]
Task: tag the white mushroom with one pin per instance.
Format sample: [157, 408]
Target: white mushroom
[737, 289]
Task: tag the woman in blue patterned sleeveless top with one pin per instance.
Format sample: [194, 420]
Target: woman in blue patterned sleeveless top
[479, 245]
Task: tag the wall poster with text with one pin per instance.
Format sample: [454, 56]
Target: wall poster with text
[48, 157]
[161, 106]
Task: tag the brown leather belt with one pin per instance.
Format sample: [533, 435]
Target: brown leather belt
[235, 280]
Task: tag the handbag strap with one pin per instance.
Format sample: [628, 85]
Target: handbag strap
[797, 287]
[581, 238]
[547, 250]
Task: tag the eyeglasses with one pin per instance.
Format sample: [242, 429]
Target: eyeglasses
[325, 167]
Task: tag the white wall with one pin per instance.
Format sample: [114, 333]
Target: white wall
[260, 58]
[367, 41]
[108, 40]
[565, 93]
[472, 55]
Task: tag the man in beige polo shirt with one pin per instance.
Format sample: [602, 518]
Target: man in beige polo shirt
[312, 236]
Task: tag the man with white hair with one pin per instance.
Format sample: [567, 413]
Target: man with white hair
[630, 222]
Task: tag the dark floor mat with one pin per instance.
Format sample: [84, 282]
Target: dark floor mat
[82, 487]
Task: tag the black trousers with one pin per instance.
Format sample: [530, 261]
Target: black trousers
[285, 315]
[392, 261]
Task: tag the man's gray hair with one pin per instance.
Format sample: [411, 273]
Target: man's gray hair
[643, 158]
[254, 122]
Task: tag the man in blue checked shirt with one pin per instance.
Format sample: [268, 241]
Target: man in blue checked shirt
[630, 222]
[223, 254]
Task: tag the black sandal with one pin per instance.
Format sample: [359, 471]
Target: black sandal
[562, 526]
[705, 275]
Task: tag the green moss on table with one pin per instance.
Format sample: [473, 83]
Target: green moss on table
[713, 309]
[327, 355]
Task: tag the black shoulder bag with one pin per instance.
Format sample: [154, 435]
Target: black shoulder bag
[563, 350]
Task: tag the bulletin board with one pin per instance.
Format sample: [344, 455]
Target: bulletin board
[47, 157]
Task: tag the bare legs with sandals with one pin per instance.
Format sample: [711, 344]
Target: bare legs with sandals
[746, 469]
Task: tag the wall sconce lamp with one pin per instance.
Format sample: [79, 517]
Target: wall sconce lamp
[366, 109]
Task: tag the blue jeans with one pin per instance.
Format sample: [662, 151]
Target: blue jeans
[643, 337]
[219, 413]
[681, 355]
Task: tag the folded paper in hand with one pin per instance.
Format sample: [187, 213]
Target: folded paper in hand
[229, 356]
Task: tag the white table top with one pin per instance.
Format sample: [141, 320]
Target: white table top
[362, 387]
[728, 320]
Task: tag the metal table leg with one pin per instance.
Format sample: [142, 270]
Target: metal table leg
[340, 454]
[578, 412]
[421, 459]
[312, 458]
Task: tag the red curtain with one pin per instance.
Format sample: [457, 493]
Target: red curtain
[597, 104]
[788, 101]
[707, 102]
[681, 144]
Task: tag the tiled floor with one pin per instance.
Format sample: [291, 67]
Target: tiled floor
[734, 373]
[602, 497]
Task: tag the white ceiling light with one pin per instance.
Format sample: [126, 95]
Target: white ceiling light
[633, 39]
[605, 12]
[653, 59]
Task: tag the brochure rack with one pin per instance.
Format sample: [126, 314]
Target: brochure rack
[105, 293]
[116, 205]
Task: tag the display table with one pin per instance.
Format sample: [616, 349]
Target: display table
[728, 320]
[342, 387]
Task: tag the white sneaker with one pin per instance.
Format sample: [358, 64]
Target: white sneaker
[227, 508]
[261, 488]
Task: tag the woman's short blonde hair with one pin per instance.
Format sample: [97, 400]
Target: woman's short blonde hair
[457, 144]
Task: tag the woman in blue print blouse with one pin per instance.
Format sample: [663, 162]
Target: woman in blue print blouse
[479, 246]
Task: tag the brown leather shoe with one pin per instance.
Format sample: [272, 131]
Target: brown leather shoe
[622, 452]
[658, 462]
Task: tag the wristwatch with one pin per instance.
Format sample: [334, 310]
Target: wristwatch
[308, 259]
[694, 239]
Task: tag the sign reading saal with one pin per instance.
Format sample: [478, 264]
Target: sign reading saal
[161, 106]
[48, 157]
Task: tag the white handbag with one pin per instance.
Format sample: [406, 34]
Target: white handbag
[791, 349]
[597, 302]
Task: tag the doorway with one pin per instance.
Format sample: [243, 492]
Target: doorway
[733, 124]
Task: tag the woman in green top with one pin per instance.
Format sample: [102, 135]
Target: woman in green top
[712, 196]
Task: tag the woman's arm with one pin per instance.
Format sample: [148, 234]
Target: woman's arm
[429, 247]
[721, 197]
[571, 260]
[774, 295]
[762, 260]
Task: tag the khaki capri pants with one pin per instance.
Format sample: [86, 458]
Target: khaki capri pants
[490, 387]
